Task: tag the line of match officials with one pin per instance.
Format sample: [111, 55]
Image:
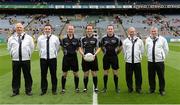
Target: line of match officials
[21, 46]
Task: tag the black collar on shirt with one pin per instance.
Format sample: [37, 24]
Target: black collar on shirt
[156, 38]
[90, 36]
[110, 36]
[48, 36]
[21, 35]
[69, 37]
[134, 38]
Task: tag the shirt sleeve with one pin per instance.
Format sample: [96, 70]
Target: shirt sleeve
[31, 44]
[100, 42]
[165, 46]
[97, 44]
[9, 46]
[119, 41]
[80, 42]
[123, 46]
[58, 43]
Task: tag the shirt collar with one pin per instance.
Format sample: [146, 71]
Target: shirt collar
[16, 34]
[134, 37]
[110, 36]
[89, 36]
[155, 37]
[47, 35]
[69, 37]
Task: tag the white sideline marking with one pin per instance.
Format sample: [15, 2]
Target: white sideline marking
[95, 101]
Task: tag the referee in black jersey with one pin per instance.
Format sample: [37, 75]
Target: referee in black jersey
[111, 45]
[70, 46]
[89, 44]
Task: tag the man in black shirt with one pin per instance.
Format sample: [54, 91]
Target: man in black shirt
[89, 44]
[70, 45]
[111, 46]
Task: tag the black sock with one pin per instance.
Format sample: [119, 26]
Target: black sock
[63, 82]
[76, 81]
[85, 82]
[95, 81]
[105, 78]
[116, 81]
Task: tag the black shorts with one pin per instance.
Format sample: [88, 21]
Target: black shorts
[90, 65]
[110, 61]
[70, 62]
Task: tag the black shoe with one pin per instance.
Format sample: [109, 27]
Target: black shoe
[54, 92]
[29, 93]
[14, 94]
[151, 91]
[104, 90]
[77, 90]
[63, 91]
[43, 93]
[130, 90]
[85, 90]
[96, 90]
[117, 90]
[162, 93]
[139, 91]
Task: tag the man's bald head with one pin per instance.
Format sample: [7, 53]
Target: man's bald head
[19, 28]
[131, 31]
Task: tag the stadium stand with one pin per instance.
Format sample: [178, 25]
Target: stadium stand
[168, 24]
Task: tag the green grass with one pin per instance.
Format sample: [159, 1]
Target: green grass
[172, 74]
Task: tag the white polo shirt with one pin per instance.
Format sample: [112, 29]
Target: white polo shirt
[128, 49]
[161, 49]
[54, 45]
[27, 46]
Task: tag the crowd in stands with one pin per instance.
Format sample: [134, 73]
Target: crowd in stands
[167, 24]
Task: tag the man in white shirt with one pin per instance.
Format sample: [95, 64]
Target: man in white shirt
[157, 49]
[20, 47]
[48, 45]
[133, 48]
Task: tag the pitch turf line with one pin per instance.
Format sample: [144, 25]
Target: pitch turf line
[95, 97]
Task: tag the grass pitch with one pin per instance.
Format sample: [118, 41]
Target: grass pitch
[172, 76]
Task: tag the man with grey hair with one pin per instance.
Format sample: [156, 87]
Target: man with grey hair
[20, 46]
[133, 48]
[157, 49]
